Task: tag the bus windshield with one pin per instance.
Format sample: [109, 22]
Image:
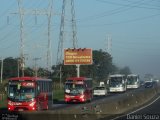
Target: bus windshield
[21, 94]
[131, 80]
[74, 89]
[74, 86]
[115, 82]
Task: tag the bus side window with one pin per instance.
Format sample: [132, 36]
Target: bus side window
[41, 89]
[37, 88]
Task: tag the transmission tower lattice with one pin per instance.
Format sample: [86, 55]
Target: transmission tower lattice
[36, 12]
[72, 20]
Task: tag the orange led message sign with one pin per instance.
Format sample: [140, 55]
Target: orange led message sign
[77, 56]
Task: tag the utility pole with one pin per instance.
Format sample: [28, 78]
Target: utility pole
[21, 37]
[35, 67]
[74, 33]
[74, 27]
[1, 69]
[59, 60]
[61, 35]
[49, 56]
[109, 44]
[63, 26]
[18, 66]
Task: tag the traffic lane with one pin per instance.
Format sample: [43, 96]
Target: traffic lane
[110, 96]
[98, 99]
[62, 105]
[150, 111]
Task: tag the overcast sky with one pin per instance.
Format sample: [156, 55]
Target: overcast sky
[133, 27]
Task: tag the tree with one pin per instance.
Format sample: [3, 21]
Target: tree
[10, 67]
[126, 70]
[102, 65]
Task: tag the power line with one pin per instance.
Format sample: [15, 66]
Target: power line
[126, 5]
[122, 22]
[8, 8]
[114, 11]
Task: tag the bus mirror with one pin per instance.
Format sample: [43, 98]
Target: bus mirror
[107, 81]
[19, 86]
[73, 85]
[123, 81]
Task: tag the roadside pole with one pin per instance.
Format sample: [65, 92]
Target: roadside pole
[1, 69]
[78, 69]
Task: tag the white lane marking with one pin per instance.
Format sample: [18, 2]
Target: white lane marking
[137, 109]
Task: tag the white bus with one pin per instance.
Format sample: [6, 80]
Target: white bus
[133, 81]
[117, 83]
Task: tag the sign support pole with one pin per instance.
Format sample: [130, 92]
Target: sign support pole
[78, 69]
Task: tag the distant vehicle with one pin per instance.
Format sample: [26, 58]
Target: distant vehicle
[100, 91]
[117, 83]
[156, 80]
[148, 84]
[101, 84]
[29, 93]
[133, 81]
[78, 89]
[142, 83]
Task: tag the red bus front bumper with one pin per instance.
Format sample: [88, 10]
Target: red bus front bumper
[78, 98]
[18, 106]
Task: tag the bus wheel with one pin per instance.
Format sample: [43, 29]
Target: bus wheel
[47, 107]
[38, 107]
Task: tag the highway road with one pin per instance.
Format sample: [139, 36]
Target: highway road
[150, 111]
[134, 115]
[110, 96]
[61, 104]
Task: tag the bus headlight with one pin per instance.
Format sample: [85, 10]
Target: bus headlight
[67, 91]
[10, 103]
[82, 96]
[67, 96]
[32, 104]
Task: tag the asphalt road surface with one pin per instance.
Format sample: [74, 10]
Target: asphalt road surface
[151, 111]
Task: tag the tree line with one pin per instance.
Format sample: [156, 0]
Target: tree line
[100, 69]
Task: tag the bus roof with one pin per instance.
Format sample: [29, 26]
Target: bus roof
[132, 75]
[117, 75]
[29, 78]
[78, 78]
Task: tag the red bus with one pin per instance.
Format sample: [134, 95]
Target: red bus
[29, 93]
[78, 89]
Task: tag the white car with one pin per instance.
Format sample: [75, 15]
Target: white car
[100, 91]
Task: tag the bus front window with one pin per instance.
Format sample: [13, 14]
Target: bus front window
[74, 88]
[115, 82]
[21, 94]
[131, 81]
